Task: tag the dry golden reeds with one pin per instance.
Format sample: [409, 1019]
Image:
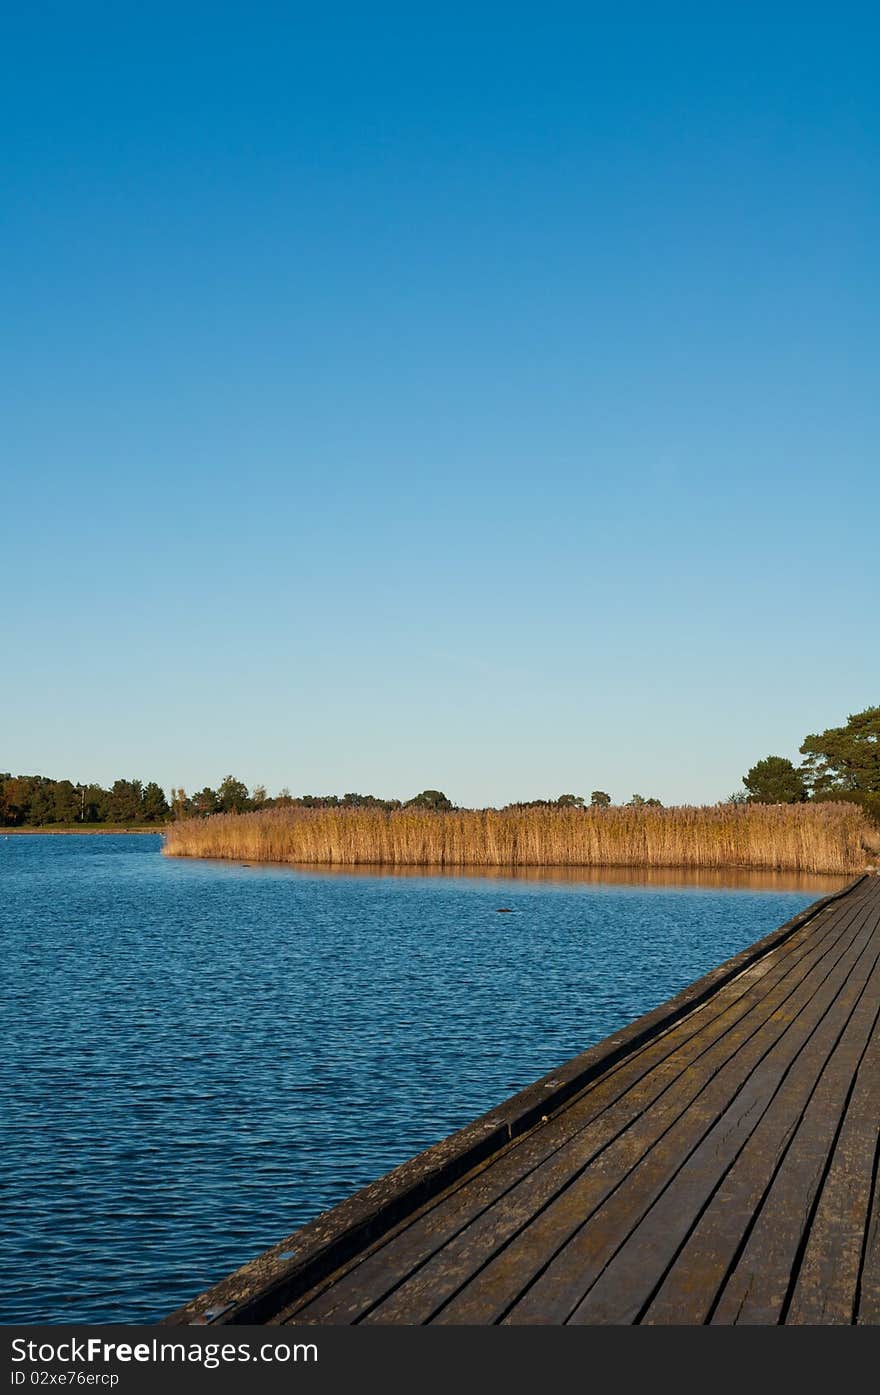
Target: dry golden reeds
[832, 838]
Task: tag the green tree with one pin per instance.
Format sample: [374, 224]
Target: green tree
[124, 801]
[570, 801]
[94, 804]
[42, 808]
[430, 799]
[205, 802]
[232, 796]
[154, 805]
[845, 758]
[66, 802]
[774, 780]
[17, 791]
[600, 800]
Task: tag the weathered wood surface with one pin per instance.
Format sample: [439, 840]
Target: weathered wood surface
[714, 1162]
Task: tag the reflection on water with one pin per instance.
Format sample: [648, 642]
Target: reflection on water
[734, 878]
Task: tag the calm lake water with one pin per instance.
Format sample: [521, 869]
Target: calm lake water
[200, 1056]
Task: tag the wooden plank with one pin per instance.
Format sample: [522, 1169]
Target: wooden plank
[868, 1296]
[558, 1254]
[609, 1106]
[551, 1253]
[826, 1289]
[698, 1273]
[724, 1179]
[523, 1192]
[757, 1289]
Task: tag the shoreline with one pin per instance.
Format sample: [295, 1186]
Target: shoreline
[67, 829]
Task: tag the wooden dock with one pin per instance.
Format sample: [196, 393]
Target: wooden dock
[714, 1162]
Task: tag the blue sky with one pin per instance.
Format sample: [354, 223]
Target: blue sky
[479, 397]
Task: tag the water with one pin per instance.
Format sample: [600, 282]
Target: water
[200, 1057]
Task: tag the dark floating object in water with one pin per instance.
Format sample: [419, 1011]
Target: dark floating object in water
[504, 910]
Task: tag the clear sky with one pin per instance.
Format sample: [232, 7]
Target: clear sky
[474, 397]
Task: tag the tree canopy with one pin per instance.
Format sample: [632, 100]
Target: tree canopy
[774, 780]
[430, 799]
[233, 797]
[845, 758]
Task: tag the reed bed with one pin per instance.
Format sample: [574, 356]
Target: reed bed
[830, 838]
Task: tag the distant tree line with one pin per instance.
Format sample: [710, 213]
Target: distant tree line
[38, 801]
[233, 797]
[841, 763]
[599, 799]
